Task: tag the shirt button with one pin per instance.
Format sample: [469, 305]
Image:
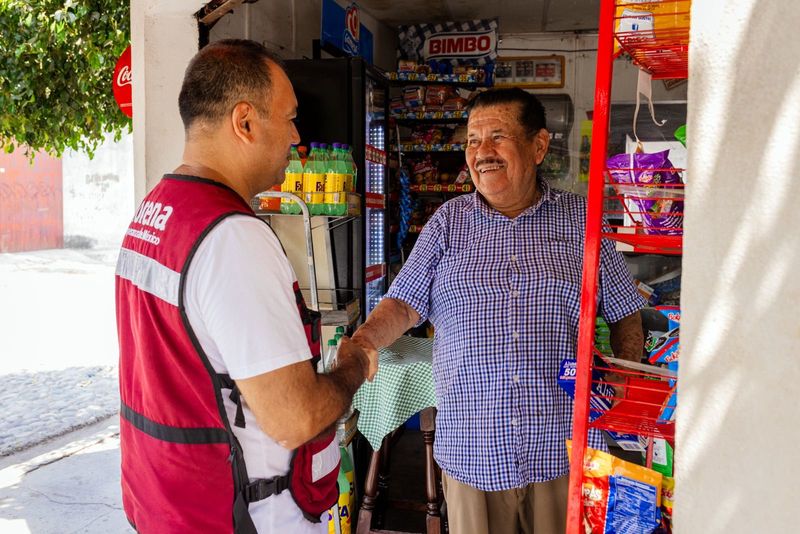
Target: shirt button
[513, 257]
[516, 379]
[515, 293]
[515, 334]
[514, 422]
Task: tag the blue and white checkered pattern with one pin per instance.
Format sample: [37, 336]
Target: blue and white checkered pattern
[503, 295]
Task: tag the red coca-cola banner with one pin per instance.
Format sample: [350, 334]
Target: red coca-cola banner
[122, 83]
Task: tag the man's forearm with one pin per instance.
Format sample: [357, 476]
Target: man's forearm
[627, 338]
[387, 322]
[333, 394]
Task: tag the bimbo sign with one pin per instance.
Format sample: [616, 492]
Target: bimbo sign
[122, 83]
[467, 42]
[471, 45]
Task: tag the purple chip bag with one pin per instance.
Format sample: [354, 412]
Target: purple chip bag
[658, 209]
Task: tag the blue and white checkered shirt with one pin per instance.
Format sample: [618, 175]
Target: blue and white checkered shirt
[503, 295]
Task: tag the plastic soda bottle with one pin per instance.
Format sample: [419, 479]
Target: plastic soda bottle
[350, 166]
[293, 183]
[314, 180]
[335, 199]
[346, 496]
[328, 357]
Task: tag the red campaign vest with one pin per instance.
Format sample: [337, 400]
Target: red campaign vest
[182, 466]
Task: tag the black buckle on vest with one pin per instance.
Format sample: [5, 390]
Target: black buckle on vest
[226, 382]
[263, 488]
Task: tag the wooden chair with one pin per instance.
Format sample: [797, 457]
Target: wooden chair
[377, 482]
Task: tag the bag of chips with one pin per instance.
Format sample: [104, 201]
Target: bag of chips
[619, 497]
[658, 209]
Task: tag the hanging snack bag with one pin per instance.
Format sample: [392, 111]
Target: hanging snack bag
[658, 209]
[619, 497]
[644, 20]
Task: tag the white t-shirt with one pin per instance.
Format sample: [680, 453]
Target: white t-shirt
[241, 305]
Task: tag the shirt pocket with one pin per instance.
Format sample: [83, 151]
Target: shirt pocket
[559, 268]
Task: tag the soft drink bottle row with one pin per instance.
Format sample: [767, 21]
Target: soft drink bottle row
[322, 180]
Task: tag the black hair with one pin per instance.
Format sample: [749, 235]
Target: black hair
[531, 111]
[221, 75]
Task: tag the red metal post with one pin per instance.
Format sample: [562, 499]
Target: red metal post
[591, 256]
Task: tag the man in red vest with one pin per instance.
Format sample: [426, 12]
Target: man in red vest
[225, 425]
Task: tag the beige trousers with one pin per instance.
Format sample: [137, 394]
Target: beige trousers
[539, 508]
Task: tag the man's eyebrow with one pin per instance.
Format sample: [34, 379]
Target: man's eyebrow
[496, 130]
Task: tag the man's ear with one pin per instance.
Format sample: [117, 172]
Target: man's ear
[542, 141]
[242, 121]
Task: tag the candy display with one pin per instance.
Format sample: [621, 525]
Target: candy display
[658, 209]
[619, 496]
[430, 99]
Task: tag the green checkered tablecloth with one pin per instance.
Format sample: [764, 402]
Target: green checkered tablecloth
[402, 387]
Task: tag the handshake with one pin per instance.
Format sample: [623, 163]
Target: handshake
[359, 351]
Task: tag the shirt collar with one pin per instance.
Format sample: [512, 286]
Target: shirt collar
[483, 208]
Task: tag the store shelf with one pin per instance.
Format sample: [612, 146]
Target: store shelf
[431, 116]
[664, 53]
[642, 402]
[437, 147]
[342, 311]
[441, 188]
[648, 244]
[353, 210]
[651, 212]
[402, 78]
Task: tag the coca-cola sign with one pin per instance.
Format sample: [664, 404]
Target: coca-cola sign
[122, 83]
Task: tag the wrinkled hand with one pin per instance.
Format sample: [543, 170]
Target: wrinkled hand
[355, 348]
[371, 352]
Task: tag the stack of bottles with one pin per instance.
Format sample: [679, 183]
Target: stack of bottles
[322, 180]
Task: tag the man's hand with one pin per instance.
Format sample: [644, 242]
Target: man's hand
[371, 352]
[367, 355]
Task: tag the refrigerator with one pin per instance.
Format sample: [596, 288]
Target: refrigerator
[346, 100]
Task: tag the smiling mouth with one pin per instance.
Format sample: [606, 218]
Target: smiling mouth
[490, 168]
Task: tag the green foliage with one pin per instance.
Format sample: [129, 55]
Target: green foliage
[57, 61]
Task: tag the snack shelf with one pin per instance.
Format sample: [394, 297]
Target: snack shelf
[641, 209]
[428, 147]
[440, 116]
[441, 188]
[435, 79]
[642, 401]
[651, 212]
[663, 52]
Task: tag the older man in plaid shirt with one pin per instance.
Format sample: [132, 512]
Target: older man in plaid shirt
[498, 273]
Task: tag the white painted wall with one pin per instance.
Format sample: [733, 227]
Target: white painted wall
[164, 38]
[289, 26]
[737, 469]
[98, 194]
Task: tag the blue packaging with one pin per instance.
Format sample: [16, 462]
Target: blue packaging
[632, 507]
[598, 403]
